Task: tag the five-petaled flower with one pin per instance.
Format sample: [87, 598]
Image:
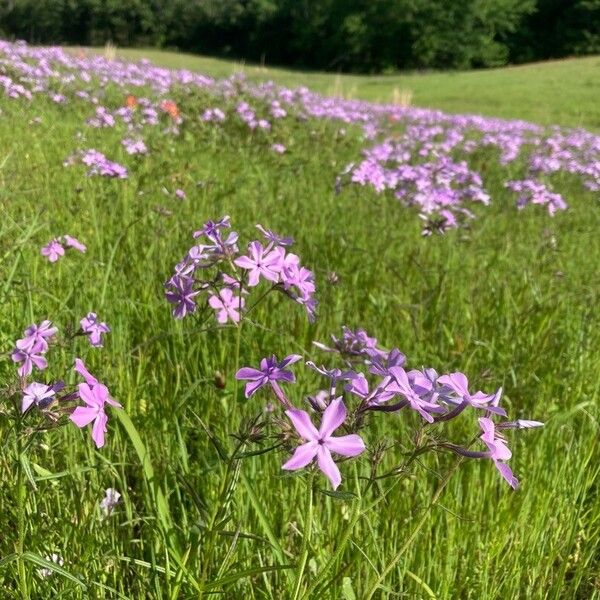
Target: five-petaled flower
[95, 397]
[320, 443]
[260, 262]
[53, 250]
[94, 329]
[270, 371]
[227, 305]
[29, 356]
[498, 450]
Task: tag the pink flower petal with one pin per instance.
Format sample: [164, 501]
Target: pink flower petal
[333, 417]
[304, 426]
[328, 467]
[346, 445]
[302, 456]
[83, 415]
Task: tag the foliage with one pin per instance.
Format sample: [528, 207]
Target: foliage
[348, 35]
[511, 298]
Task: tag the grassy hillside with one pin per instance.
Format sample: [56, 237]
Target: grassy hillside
[562, 92]
[509, 296]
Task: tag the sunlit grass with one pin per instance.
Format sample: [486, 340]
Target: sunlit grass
[513, 301]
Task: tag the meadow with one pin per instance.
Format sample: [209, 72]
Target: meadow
[561, 92]
[410, 231]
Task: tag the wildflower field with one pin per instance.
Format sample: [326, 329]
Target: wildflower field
[258, 342]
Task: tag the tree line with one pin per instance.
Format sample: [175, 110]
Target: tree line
[341, 35]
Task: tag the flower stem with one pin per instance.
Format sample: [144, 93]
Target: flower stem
[392, 564]
[307, 536]
[21, 496]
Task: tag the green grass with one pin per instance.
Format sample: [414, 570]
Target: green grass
[561, 92]
[512, 301]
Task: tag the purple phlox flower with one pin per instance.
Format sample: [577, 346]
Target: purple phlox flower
[226, 247]
[211, 229]
[227, 305]
[310, 305]
[198, 257]
[320, 443]
[424, 382]
[274, 238]
[270, 372]
[380, 365]
[79, 367]
[100, 165]
[72, 242]
[94, 329]
[383, 392]
[134, 146]
[498, 450]
[278, 148]
[53, 250]
[320, 400]
[260, 262]
[334, 374]
[292, 274]
[180, 194]
[110, 501]
[41, 333]
[181, 293]
[40, 394]
[95, 398]
[213, 114]
[30, 356]
[103, 118]
[232, 282]
[357, 342]
[459, 384]
[422, 405]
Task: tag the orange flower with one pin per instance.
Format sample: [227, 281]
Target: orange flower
[170, 107]
[131, 101]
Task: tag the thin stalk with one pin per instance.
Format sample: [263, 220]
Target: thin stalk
[343, 540]
[220, 505]
[306, 537]
[21, 495]
[392, 564]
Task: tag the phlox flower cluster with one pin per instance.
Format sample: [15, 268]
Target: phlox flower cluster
[134, 146]
[427, 160]
[29, 351]
[55, 400]
[223, 276]
[94, 329]
[422, 165]
[213, 114]
[374, 381]
[248, 115]
[103, 118]
[535, 192]
[55, 248]
[98, 164]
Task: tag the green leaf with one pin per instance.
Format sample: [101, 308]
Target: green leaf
[339, 495]
[162, 506]
[8, 559]
[52, 566]
[27, 470]
[245, 573]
